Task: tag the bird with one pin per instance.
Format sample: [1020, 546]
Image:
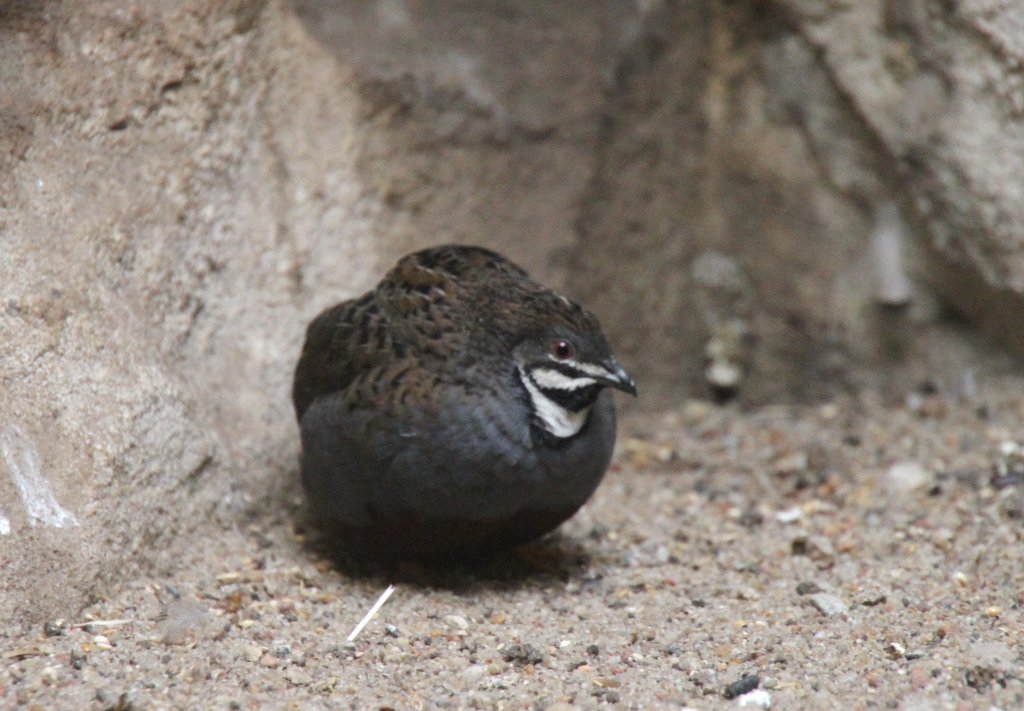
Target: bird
[456, 409]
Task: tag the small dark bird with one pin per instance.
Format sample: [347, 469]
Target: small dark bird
[457, 408]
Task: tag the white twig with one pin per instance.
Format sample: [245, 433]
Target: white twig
[103, 623]
[373, 611]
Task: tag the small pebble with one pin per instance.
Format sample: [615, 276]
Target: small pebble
[904, 477]
[522, 654]
[298, 676]
[55, 628]
[49, 675]
[820, 548]
[895, 650]
[828, 605]
[609, 696]
[808, 587]
[791, 464]
[457, 622]
[742, 686]
[473, 674]
[872, 601]
[982, 678]
[758, 697]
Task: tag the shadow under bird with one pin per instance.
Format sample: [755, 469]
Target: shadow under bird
[457, 408]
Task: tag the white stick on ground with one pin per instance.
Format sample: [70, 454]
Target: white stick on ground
[104, 623]
[373, 611]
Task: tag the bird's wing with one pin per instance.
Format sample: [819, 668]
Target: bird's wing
[343, 342]
[427, 310]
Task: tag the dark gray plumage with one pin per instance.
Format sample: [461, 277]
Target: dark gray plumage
[457, 408]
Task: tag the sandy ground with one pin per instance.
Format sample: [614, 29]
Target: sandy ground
[856, 554]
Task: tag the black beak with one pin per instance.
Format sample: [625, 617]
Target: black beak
[616, 377]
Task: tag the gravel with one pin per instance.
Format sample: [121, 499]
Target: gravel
[778, 545]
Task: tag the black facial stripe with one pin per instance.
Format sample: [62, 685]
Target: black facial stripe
[573, 400]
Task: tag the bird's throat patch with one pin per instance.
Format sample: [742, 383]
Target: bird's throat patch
[558, 419]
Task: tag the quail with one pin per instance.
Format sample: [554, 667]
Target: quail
[457, 408]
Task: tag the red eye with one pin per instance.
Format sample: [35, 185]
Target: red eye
[561, 350]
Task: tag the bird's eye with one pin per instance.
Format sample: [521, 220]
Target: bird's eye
[562, 350]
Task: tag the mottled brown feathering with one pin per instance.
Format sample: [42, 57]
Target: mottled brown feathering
[416, 413]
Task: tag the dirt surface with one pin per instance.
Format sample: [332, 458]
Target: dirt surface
[857, 554]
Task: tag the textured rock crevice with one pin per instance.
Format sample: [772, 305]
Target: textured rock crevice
[796, 127]
[938, 86]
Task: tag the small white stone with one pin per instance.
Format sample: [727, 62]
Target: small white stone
[895, 650]
[791, 463]
[904, 477]
[252, 653]
[49, 675]
[473, 674]
[757, 697]
[723, 374]
[457, 622]
[828, 605]
[298, 676]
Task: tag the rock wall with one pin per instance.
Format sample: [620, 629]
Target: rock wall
[817, 193]
[183, 185]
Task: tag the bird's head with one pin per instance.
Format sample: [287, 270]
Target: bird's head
[564, 365]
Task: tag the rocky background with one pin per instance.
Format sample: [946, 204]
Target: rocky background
[777, 201]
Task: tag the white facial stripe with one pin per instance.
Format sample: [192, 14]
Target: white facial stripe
[556, 419]
[551, 379]
[595, 370]
[589, 368]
